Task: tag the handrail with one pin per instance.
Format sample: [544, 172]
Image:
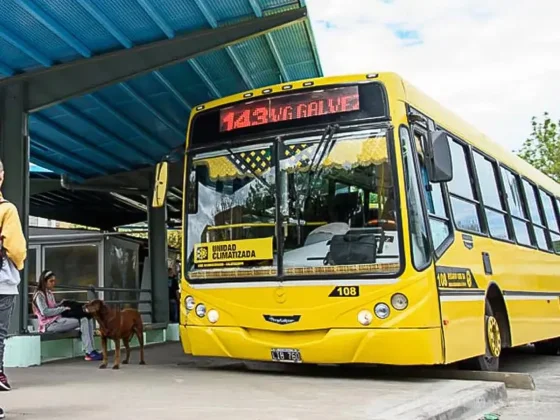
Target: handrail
[94, 288]
[64, 288]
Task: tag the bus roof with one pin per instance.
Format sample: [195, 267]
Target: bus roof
[402, 90]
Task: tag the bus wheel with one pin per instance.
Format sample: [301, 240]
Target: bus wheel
[491, 360]
[548, 347]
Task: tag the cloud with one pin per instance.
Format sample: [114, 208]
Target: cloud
[496, 64]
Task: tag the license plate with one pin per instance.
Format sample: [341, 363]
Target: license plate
[286, 355]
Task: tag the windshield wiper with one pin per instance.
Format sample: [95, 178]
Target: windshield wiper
[327, 142]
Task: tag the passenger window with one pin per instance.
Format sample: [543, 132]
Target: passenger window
[516, 208]
[463, 202]
[493, 206]
[535, 214]
[551, 220]
[549, 212]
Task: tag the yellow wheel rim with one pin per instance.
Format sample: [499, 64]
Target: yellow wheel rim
[494, 338]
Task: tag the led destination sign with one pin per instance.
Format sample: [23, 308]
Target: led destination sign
[290, 107]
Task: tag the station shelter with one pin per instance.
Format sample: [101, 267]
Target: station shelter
[95, 94]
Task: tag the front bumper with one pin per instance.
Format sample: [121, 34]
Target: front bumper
[378, 346]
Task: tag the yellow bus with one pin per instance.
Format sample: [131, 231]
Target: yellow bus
[354, 220]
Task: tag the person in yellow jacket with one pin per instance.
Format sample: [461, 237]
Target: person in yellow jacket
[13, 252]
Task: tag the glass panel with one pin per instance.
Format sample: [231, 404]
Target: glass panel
[73, 265]
[532, 202]
[340, 211]
[461, 183]
[487, 178]
[548, 207]
[440, 231]
[513, 194]
[418, 229]
[541, 238]
[31, 263]
[234, 227]
[436, 198]
[465, 214]
[497, 224]
[555, 242]
[121, 270]
[522, 232]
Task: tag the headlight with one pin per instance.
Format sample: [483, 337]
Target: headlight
[189, 303]
[382, 310]
[365, 317]
[399, 301]
[200, 310]
[213, 316]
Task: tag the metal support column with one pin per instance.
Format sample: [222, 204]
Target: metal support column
[14, 152]
[157, 239]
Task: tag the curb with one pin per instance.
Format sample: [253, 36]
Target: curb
[469, 403]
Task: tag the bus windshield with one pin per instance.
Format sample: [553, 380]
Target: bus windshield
[318, 204]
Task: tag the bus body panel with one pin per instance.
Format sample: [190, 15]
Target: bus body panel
[248, 305]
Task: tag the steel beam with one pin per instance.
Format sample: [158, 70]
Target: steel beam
[59, 83]
[39, 186]
[14, 152]
[157, 244]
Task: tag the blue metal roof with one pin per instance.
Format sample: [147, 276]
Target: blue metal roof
[133, 124]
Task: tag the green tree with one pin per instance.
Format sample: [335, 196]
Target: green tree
[542, 148]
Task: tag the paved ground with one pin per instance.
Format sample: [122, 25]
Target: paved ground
[173, 386]
[544, 402]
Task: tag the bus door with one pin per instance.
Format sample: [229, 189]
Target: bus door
[456, 263]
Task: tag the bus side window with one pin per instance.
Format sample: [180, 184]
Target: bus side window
[437, 213]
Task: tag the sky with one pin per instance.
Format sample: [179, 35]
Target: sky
[494, 63]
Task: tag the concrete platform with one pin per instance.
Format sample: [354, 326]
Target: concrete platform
[173, 385]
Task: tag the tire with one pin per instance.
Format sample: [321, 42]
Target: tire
[548, 347]
[489, 362]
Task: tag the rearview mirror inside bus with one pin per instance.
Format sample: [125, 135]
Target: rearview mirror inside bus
[192, 191]
[440, 168]
[160, 185]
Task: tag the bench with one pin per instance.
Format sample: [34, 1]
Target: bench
[50, 336]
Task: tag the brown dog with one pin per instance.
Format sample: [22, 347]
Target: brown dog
[117, 325]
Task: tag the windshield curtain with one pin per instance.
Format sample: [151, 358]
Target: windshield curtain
[337, 207]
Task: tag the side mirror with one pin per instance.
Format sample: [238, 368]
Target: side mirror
[160, 185]
[440, 165]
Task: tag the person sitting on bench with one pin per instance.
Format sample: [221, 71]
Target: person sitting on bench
[65, 316]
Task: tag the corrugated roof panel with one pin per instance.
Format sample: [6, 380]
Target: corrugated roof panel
[82, 25]
[275, 4]
[227, 10]
[188, 83]
[133, 21]
[291, 41]
[145, 119]
[180, 15]
[223, 73]
[15, 58]
[152, 90]
[259, 61]
[19, 22]
[155, 121]
[88, 157]
[115, 125]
